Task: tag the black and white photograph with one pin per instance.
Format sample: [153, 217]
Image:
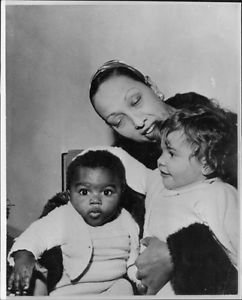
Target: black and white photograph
[120, 150]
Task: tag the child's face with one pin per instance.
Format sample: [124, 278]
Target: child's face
[176, 164]
[95, 194]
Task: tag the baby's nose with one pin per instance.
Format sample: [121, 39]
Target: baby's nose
[95, 199]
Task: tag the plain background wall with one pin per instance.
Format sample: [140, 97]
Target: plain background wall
[53, 50]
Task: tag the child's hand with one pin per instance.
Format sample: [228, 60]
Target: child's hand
[19, 280]
[142, 289]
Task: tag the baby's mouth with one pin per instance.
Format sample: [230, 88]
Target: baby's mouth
[95, 213]
[164, 173]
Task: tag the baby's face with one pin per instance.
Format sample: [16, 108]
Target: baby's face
[95, 194]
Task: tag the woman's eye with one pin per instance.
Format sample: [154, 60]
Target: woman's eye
[107, 192]
[117, 123]
[135, 99]
[83, 192]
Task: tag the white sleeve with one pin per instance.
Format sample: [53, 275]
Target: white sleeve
[41, 235]
[136, 172]
[219, 210]
[133, 229]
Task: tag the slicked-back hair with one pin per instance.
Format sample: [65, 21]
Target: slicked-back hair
[111, 69]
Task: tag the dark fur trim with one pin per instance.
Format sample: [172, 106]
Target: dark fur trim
[201, 265]
[58, 200]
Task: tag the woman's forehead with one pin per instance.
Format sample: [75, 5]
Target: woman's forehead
[117, 85]
[112, 93]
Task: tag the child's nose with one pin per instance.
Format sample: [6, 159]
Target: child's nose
[161, 161]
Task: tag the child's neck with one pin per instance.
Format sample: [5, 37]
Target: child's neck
[191, 185]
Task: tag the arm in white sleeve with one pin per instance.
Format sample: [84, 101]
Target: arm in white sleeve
[133, 229]
[219, 210]
[136, 172]
[41, 235]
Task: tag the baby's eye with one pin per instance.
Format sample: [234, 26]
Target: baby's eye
[107, 192]
[83, 192]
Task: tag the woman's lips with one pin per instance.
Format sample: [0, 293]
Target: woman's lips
[150, 129]
[152, 133]
[148, 132]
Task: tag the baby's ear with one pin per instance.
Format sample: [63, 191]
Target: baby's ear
[206, 169]
[123, 187]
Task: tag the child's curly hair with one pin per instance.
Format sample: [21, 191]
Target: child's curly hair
[209, 132]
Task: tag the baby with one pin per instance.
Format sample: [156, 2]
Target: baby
[99, 239]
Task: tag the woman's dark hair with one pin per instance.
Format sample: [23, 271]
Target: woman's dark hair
[209, 132]
[96, 159]
[113, 68]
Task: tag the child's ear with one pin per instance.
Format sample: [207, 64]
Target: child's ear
[206, 169]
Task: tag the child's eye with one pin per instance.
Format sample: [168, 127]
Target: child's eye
[83, 192]
[171, 153]
[107, 192]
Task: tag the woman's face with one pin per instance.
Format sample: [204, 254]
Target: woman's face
[131, 108]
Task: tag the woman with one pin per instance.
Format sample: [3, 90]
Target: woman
[132, 106]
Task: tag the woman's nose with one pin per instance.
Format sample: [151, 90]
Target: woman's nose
[138, 122]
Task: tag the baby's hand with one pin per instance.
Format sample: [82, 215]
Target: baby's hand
[19, 280]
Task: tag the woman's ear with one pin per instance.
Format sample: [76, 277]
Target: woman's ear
[155, 88]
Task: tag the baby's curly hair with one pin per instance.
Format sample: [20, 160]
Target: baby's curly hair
[209, 132]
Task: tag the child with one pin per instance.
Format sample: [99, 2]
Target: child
[98, 238]
[194, 150]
